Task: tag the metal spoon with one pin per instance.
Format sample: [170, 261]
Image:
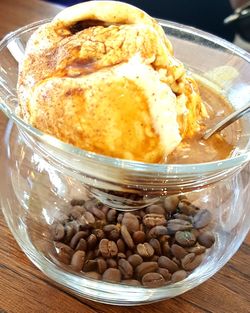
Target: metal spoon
[227, 121]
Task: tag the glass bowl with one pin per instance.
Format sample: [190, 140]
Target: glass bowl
[45, 179]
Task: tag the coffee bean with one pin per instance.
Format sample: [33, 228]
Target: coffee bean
[77, 260]
[121, 245]
[90, 203]
[101, 265]
[191, 261]
[153, 280]
[77, 202]
[112, 231]
[155, 209]
[111, 216]
[90, 255]
[93, 275]
[163, 238]
[176, 261]
[176, 225]
[125, 268]
[57, 232]
[99, 233]
[154, 258]
[202, 218]
[178, 251]
[206, 239]
[170, 204]
[119, 218]
[108, 248]
[152, 220]
[121, 255]
[156, 245]
[82, 245]
[131, 222]
[90, 265]
[135, 260]
[145, 250]
[76, 238]
[92, 241]
[185, 238]
[69, 232]
[127, 237]
[165, 273]
[111, 263]
[76, 212]
[165, 262]
[64, 252]
[183, 217]
[112, 275]
[144, 268]
[197, 249]
[165, 248]
[128, 253]
[139, 236]
[185, 207]
[97, 213]
[87, 220]
[157, 231]
[178, 276]
[131, 282]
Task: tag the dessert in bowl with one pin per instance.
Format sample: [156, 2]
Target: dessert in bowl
[63, 199]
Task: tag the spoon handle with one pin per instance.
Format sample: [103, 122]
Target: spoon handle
[227, 121]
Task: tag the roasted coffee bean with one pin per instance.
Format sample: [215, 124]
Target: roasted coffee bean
[90, 265]
[157, 231]
[109, 227]
[112, 275]
[121, 245]
[163, 238]
[155, 209]
[76, 238]
[167, 263]
[206, 239]
[97, 252]
[135, 260]
[57, 232]
[125, 268]
[108, 248]
[105, 209]
[139, 236]
[127, 237]
[111, 216]
[178, 276]
[176, 261]
[145, 250]
[69, 232]
[152, 220]
[112, 231]
[131, 222]
[78, 260]
[154, 258]
[90, 255]
[144, 268]
[112, 263]
[99, 233]
[92, 241]
[90, 203]
[128, 253]
[165, 273]
[183, 217]
[82, 245]
[191, 261]
[185, 207]
[176, 225]
[77, 202]
[178, 251]
[93, 275]
[202, 218]
[64, 252]
[197, 249]
[119, 218]
[101, 265]
[165, 248]
[170, 204]
[153, 280]
[156, 245]
[87, 220]
[121, 255]
[76, 212]
[185, 238]
[97, 212]
[131, 282]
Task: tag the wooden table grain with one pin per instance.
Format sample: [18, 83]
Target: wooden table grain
[24, 289]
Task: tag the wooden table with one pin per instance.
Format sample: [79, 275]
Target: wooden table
[24, 289]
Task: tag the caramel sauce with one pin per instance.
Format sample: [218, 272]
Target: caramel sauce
[217, 147]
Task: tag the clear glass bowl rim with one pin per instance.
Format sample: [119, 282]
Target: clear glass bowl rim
[121, 163]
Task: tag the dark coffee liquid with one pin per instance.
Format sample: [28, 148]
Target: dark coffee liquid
[217, 147]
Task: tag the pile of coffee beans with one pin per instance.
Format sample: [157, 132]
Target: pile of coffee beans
[150, 247]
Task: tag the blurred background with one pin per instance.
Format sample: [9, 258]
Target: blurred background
[207, 15]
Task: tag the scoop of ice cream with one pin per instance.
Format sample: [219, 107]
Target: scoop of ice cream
[102, 77]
